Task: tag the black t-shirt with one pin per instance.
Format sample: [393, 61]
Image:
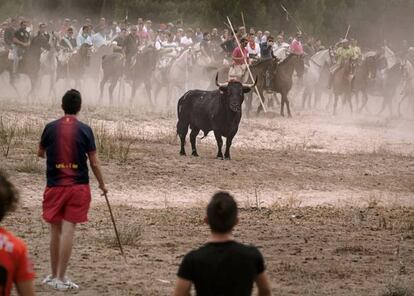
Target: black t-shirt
[222, 269]
[22, 35]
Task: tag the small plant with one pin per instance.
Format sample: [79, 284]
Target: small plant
[30, 165]
[7, 136]
[397, 289]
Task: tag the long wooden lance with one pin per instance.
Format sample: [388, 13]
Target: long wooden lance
[247, 65]
[244, 24]
[347, 32]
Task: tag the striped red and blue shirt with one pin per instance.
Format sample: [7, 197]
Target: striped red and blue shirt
[67, 142]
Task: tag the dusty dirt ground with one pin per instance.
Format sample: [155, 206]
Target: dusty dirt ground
[328, 200]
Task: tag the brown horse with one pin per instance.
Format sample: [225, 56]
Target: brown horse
[281, 79]
[363, 72]
[341, 84]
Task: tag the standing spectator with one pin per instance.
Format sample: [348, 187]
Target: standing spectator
[15, 265]
[222, 266]
[67, 143]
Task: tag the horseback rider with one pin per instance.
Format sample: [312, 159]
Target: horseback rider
[296, 45]
[21, 42]
[344, 53]
[41, 40]
[253, 48]
[131, 45]
[85, 36]
[240, 56]
[266, 49]
[356, 49]
[205, 48]
[68, 42]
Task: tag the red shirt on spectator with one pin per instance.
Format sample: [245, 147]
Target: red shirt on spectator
[15, 266]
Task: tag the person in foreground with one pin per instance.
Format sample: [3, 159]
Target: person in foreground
[67, 143]
[15, 266]
[222, 266]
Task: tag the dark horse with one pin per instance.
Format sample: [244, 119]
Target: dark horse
[364, 72]
[76, 65]
[141, 72]
[113, 70]
[28, 65]
[282, 79]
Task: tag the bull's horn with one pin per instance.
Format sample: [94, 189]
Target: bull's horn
[219, 84]
[251, 84]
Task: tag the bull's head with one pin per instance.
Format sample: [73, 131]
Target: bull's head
[234, 92]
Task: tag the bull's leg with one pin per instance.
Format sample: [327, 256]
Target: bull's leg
[193, 136]
[182, 130]
[229, 140]
[219, 145]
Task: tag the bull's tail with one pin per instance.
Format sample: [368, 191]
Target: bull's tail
[181, 124]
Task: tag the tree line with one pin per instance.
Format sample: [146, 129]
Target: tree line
[371, 21]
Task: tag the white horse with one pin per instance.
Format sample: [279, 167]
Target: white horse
[177, 77]
[316, 77]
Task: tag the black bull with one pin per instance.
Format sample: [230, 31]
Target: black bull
[219, 111]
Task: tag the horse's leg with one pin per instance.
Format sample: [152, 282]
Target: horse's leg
[348, 97]
[102, 87]
[282, 106]
[112, 84]
[148, 88]
[399, 105]
[287, 104]
[335, 103]
[304, 97]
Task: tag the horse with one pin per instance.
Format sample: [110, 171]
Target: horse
[76, 65]
[177, 75]
[366, 70]
[281, 79]
[390, 79]
[113, 66]
[316, 77]
[141, 72]
[342, 84]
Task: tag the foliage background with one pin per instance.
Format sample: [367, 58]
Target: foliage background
[372, 21]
